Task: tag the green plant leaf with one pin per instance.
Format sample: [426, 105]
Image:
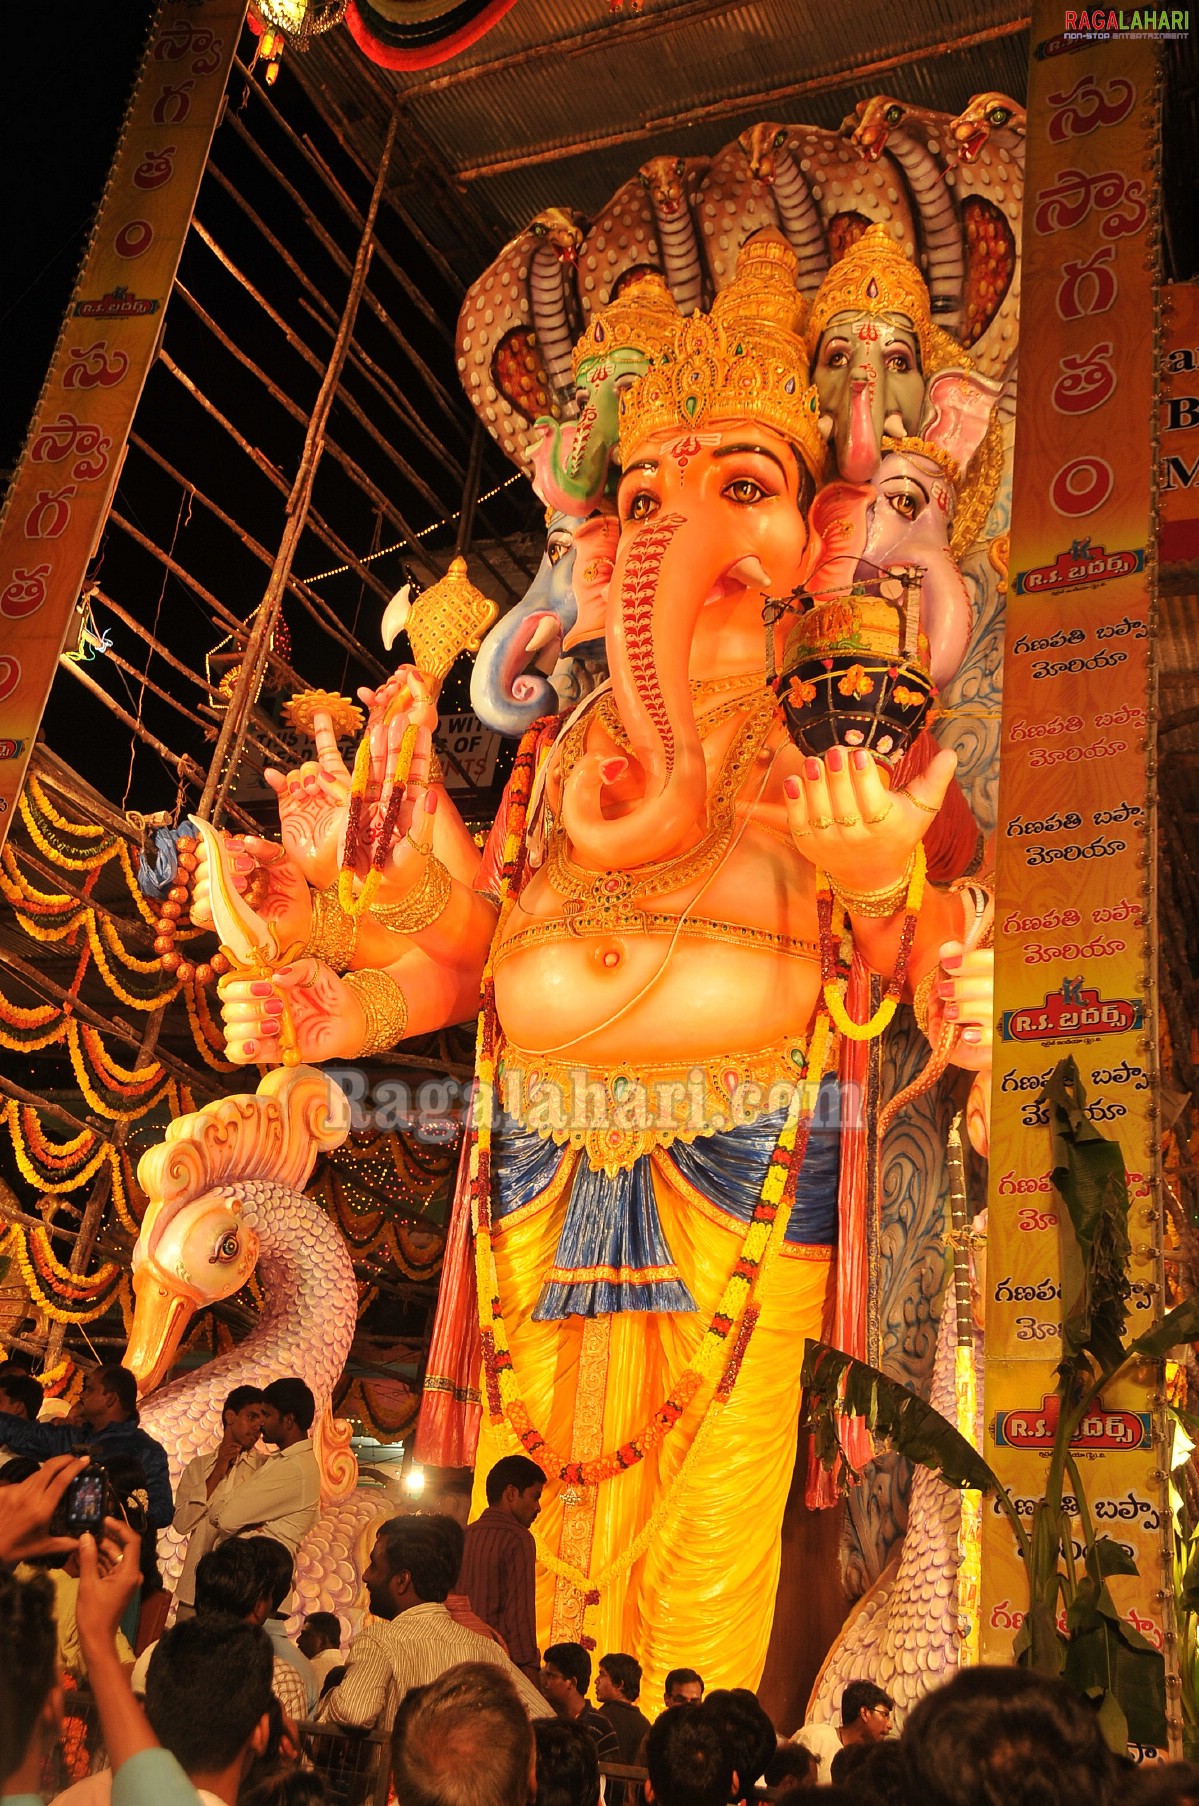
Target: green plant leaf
[1088, 1176]
[1106, 1557]
[1107, 1659]
[835, 1385]
[1179, 1325]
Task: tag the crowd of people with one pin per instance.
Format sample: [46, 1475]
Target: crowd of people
[221, 1705]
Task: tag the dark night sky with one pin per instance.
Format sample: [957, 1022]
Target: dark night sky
[65, 75]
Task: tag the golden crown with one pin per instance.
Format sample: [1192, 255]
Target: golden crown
[875, 277]
[744, 361]
[644, 315]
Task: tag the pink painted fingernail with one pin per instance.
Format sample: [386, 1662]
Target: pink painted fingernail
[274, 1006]
[260, 988]
[945, 988]
[973, 1035]
[950, 1012]
[249, 1047]
[861, 759]
[811, 770]
[951, 961]
[836, 758]
[791, 787]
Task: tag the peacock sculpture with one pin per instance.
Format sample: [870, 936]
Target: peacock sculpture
[226, 1197]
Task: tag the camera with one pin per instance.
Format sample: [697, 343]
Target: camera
[88, 1500]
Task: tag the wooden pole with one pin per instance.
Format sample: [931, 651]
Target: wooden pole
[224, 761]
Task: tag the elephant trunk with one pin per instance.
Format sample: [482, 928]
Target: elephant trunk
[662, 586]
[570, 465]
[863, 448]
[509, 687]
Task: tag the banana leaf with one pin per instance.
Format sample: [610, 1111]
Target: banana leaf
[1177, 1326]
[835, 1385]
[1087, 1173]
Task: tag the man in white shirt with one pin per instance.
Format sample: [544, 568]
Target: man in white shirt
[413, 1567]
[208, 1480]
[283, 1498]
[865, 1718]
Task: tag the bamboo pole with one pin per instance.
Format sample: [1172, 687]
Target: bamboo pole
[224, 760]
[180, 763]
[45, 1107]
[308, 150]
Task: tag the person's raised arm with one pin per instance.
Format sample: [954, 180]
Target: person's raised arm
[40, 1439]
[265, 1495]
[158, 1484]
[28, 1508]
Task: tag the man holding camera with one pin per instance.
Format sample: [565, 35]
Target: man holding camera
[107, 1426]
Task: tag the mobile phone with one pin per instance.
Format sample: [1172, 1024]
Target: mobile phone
[87, 1501]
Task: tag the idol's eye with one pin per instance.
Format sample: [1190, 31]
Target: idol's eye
[556, 549]
[999, 115]
[898, 360]
[780, 138]
[641, 505]
[625, 381]
[744, 491]
[894, 115]
[582, 397]
[538, 228]
[228, 1248]
[836, 358]
[907, 505]
[906, 497]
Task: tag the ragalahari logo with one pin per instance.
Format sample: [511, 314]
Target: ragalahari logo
[1145, 22]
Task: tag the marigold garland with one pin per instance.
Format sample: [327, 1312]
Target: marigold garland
[205, 1033]
[94, 1067]
[24, 1030]
[356, 837]
[64, 1296]
[834, 995]
[52, 1167]
[42, 819]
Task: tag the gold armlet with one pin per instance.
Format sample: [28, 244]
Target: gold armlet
[423, 906]
[383, 1005]
[876, 905]
[333, 935]
[922, 998]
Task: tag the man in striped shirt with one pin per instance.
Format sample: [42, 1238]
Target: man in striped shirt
[499, 1564]
[413, 1639]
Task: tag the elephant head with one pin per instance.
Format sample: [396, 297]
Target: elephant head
[573, 468]
[510, 683]
[908, 523]
[872, 344]
[719, 449]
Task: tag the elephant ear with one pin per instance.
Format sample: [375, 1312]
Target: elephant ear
[957, 411]
[836, 538]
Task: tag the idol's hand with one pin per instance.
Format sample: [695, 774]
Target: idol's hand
[849, 824]
[312, 806]
[327, 1019]
[964, 995]
[269, 879]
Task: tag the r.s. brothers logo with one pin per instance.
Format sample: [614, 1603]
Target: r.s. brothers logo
[1072, 1013]
[1081, 565]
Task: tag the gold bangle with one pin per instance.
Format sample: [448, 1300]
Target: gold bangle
[383, 1005]
[333, 935]
[922, 998]
[423, 906]
[876, 905]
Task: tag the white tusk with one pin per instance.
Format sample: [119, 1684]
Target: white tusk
[750, 571]
[825, 424]
[893, 426]
[395, 617]
[548, 629]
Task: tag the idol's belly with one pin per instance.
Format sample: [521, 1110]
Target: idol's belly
[630, 999]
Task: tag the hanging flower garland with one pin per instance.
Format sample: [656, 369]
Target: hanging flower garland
[24, 1030]
[113, 1090]
[52, 1166]
[205, 1033]
[128, 1199]
[81, 846]
[64, 1296]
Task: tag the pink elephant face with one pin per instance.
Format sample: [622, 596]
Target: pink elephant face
[736, 487]
[908, 523]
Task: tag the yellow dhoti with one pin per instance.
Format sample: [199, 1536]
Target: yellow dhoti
[701, 1593]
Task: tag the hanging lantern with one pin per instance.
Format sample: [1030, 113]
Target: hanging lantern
[294, 22]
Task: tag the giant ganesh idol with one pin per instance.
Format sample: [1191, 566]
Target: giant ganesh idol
[661, 928]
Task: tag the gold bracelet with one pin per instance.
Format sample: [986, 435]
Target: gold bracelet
[333, 935]
[922, 998]
[876, 905]
[423, 906]
[383, 1005]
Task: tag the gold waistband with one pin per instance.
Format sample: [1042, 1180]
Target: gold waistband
[699, 928]
[615, 1114]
